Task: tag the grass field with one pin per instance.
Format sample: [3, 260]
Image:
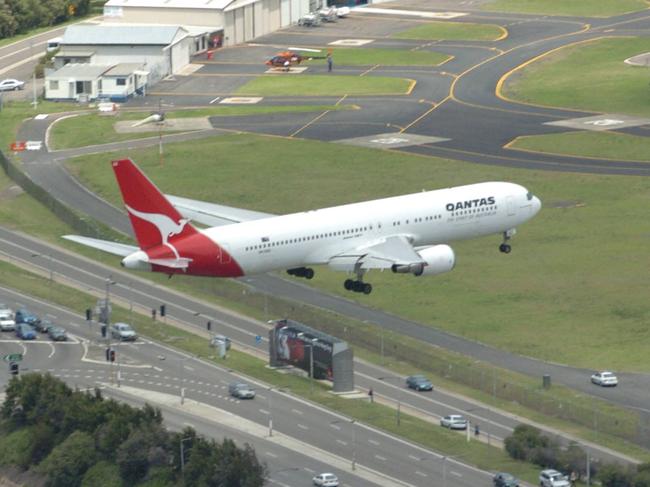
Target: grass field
[582, 8]
[572, 291]
[82, 130]
[453, 31]
[600, 145]
[318, 85]
[589, 76]
[350, 56]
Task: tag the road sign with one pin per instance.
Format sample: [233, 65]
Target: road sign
[258, 339]
[13, 357]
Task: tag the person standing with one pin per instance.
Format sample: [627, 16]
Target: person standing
[330, 62]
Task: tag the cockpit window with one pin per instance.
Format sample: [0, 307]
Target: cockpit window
[529, 196]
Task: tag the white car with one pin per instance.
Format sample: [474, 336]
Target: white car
[11, 85]
[7, 323]
[326, 480]
[552, 478]
[454, 422]
[124, 332]
[6, 311]
[604, 379]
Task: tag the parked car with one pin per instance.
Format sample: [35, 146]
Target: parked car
[419, 383]
[241, 390]
[26, 332]
[11, 85]
[326, 480]
[25, 316]
[553, 478]
[503, 479]
[6, 311]
[7, 323]
[214, 341]
[123, 332]
[454, 422]
[57, 334]
[43, 325]
[604, 379]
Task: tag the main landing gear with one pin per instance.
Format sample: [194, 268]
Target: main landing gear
[306, 272]
[358, 286]
[507, 235]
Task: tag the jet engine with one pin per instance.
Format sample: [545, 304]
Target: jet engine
[437, 260]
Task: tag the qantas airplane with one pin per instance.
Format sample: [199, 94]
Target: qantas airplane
[403, 234]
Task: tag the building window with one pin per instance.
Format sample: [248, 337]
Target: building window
[54, 84]
[120, 81]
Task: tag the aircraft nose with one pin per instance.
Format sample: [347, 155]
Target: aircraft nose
[537, 205]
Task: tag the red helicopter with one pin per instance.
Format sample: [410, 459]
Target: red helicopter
[286, 59]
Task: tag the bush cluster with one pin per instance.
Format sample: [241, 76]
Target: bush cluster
[19, 16]
[78, 438]
[528, 444]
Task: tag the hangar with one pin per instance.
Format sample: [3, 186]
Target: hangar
[224, 22]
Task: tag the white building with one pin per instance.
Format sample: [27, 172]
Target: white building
[224, 22]
[79, 82]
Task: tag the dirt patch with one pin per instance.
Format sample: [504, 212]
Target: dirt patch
[13, 477]
[10, 192]
[565, 204]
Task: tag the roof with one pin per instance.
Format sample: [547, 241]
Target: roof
[120, 34]
[123, 69]
[82, 71]
[188, 4]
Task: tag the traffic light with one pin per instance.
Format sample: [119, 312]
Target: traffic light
[112, 355]
[209, 325]
[13, 368]
[89, 314]
[162, 310]
[108, 354]
[103, 331]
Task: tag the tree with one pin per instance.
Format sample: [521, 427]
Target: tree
[68, 462]
[613, 475]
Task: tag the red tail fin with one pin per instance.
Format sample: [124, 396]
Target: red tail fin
[155, 221]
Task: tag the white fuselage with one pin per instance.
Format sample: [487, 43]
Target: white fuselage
[426, 218]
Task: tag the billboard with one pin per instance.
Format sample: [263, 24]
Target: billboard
[292, 344]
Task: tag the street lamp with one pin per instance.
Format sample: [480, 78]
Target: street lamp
[183, 455]
[399, 396]
[181, 378]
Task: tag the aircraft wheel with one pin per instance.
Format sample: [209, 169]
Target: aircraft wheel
[505, 248]
[367, 288]
[348, 284]
[357, 286]
[309, 273]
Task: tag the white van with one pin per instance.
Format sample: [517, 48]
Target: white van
[53, 44]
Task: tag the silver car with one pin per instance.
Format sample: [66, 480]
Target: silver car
[241, 390]
[123, 332]
[454, 422]
[11, 85]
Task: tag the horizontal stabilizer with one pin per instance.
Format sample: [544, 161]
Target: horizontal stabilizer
[114, 248]
[211, 214]
[171, 263]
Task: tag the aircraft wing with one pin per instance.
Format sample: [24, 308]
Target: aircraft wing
[211, 214]
[380, 254]
[114, 248]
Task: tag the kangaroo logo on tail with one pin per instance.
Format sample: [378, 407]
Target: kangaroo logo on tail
[165, 225]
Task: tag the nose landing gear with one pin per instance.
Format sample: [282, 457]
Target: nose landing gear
[507, 235]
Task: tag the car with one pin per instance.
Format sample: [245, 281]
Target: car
[57, 334]
[123, 332]
[11, 85]
[503, 479]
[241, 390]
[216, 339]
[25, 316]
[419, 383]
[43, 325]
[454, 422]
[25, 331]
[7, 323]
[605, 379]
[326, 480]
[5, 311]
[553, 478]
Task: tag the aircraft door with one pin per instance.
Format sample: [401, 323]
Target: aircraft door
[224, 254]
[510, 203]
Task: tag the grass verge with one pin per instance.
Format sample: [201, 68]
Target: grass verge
[588, 76]
[453, 31]
[317, 85]
[92, 128]
[599, 145]
[350, 56]
[582, 8]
